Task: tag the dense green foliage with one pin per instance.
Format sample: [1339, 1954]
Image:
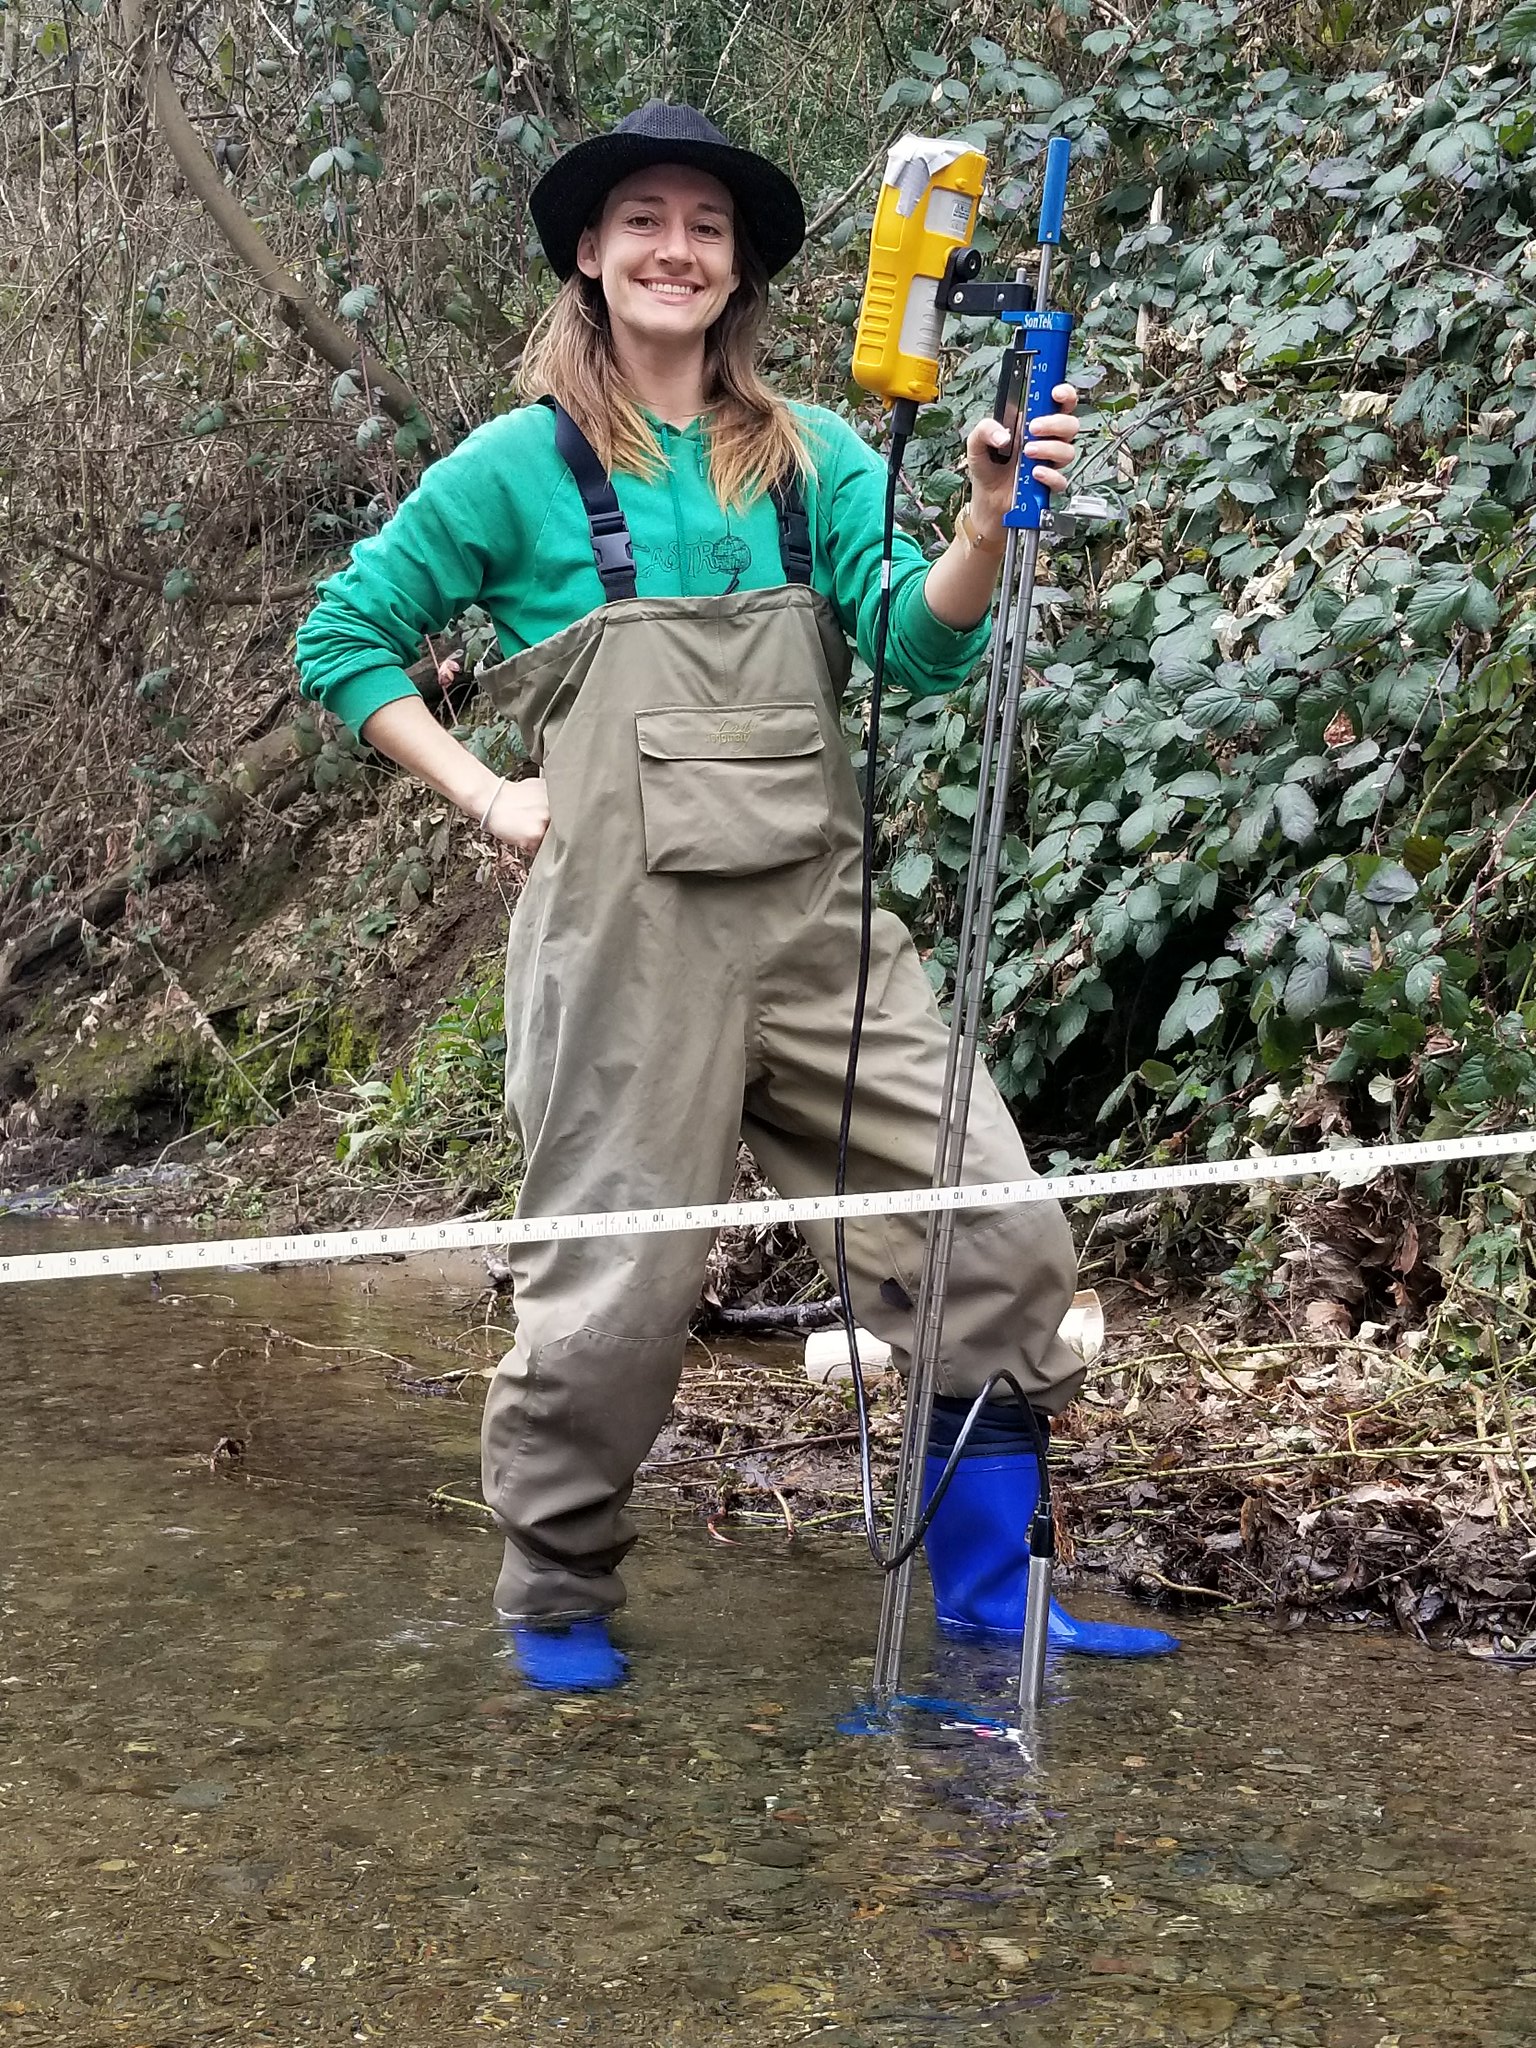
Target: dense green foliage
[1276, 818]
[443, 1109]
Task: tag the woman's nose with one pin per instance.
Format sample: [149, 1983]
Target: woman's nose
[672, 242]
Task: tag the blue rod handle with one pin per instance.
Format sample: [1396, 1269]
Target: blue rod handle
[1049, 335]
[1053, 201]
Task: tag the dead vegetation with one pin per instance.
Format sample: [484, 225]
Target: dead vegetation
[1362, 1478]
[1224, 1456]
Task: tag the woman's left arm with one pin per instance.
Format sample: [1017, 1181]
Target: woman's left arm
[958, 588]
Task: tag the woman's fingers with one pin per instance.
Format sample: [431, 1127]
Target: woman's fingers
[988, 448]
[520, 816]
[1052, 441]
[1049, 450]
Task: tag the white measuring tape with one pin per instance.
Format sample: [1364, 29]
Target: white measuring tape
[1348, 1165]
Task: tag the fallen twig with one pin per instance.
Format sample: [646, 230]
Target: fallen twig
[1283, 1461]
[793, 1443]
[768, 1320]
[1195, 1592]
[445, 1497]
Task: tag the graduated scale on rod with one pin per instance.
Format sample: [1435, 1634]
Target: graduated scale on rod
[923, 267]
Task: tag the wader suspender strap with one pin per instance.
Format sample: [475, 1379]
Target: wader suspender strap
[794, 531]
[612, 549]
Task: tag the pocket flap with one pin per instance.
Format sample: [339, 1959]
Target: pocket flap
[743, 732]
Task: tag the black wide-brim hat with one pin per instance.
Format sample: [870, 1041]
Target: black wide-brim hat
[569, 195]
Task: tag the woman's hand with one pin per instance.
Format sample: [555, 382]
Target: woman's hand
[958, 587]
[1049, 448]
[519, 815]
[514, 813]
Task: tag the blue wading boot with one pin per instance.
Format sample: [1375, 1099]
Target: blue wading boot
[978, 1545]
[567, 1656]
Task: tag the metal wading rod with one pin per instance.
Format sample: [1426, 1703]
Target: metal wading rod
[1037, 1637]
[917, 1419]
[965, 1032]
[1000, 729]
[960, 1070]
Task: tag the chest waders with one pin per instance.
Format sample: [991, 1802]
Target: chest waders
[681, 969]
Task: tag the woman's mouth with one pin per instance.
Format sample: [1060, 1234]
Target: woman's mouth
[669, 288]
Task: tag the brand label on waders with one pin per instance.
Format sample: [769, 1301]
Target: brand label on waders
[735, 732]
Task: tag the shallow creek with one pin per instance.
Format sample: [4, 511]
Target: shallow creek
[263, 1779]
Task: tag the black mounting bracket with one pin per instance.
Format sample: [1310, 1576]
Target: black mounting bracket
[962, 290]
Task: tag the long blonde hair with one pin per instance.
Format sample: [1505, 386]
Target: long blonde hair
[755, 441]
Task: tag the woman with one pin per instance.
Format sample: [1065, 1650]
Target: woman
[675, 559]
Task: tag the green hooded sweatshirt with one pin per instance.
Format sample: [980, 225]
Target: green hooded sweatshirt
[499, 523]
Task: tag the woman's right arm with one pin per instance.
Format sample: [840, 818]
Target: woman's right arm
[515, 812]
[434, 557]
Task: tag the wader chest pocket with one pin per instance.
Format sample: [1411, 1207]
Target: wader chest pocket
[732, 791]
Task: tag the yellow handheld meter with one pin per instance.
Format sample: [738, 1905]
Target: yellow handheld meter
[927, 209]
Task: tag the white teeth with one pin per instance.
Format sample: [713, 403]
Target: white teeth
[671, 291]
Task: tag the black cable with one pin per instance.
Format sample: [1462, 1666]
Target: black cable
[1043, 1507]
[903, 419]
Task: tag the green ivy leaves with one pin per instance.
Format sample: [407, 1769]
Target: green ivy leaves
[357, 304]
[1448, 594]
[911, 874]
[1517, 32]
[1278, 773]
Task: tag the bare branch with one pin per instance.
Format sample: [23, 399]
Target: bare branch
[835, 206]
[309, 320]
[277, 593]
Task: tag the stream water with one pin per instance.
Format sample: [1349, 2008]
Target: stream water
[262, 1778]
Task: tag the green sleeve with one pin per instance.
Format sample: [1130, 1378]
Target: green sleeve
[456, 531]
[922, 653]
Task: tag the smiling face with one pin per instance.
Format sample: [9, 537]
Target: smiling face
[664, 252]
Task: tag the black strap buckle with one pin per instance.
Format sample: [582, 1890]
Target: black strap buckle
[614, 553]
[612, 549]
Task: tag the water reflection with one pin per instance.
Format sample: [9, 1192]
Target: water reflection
[262, 1778]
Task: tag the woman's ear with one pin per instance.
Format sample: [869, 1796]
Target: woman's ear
[586, 254]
